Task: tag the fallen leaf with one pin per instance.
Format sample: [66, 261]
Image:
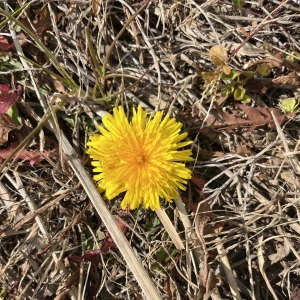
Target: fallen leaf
[43, 20]
[52, 82]
[8, 97]
[32, 156]
[6, 125]
[282, 252]
[47, 291]
[247, 118]
[91, 256]
[260, 116]
[218, 55]
[170, 288]
[4, 44]
[258, 85]
[296, 293]
[244, 151]
[67, 284]
[290, 79]
[276, 62]
[193, 205]
[220, 99]
[220, 120]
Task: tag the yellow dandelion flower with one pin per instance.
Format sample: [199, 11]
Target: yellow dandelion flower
[140, 158]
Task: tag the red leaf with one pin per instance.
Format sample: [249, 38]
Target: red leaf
[199, 182]
[4, 44]
[32, 156]
[193, 206]
[91, 256]
[8, 97]
[109, 242]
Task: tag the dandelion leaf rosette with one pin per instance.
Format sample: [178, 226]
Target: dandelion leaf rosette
[142, 158]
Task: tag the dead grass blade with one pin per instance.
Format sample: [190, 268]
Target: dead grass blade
[170, 228]
[261, 262]
[291, 157]
[46, 235]
[228, 271]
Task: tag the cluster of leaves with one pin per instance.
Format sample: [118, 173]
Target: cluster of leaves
[227, 81]
[230, 82]
[233, 83]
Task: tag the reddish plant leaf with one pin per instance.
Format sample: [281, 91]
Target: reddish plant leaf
[93, 255]
[32, 156]
[6, 125]
[199, 182]
[4, 44]
[202, 207]
[108, 241]
[193, 206]
[8, 97]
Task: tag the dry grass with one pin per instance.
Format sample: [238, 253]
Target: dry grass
[240, 217]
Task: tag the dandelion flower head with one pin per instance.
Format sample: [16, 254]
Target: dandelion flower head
[141, 158]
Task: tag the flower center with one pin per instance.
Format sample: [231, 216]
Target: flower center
[141, 158]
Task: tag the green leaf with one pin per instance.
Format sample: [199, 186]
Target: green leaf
[161, 255]
[263, 70]
[70, 121]
[289, 105]
[14, 114]
[157, 267]
[238, 2]
[248, 74]
[209, 76]
[246, 99]
[228, 89]
[233, 74]
[239, 93]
